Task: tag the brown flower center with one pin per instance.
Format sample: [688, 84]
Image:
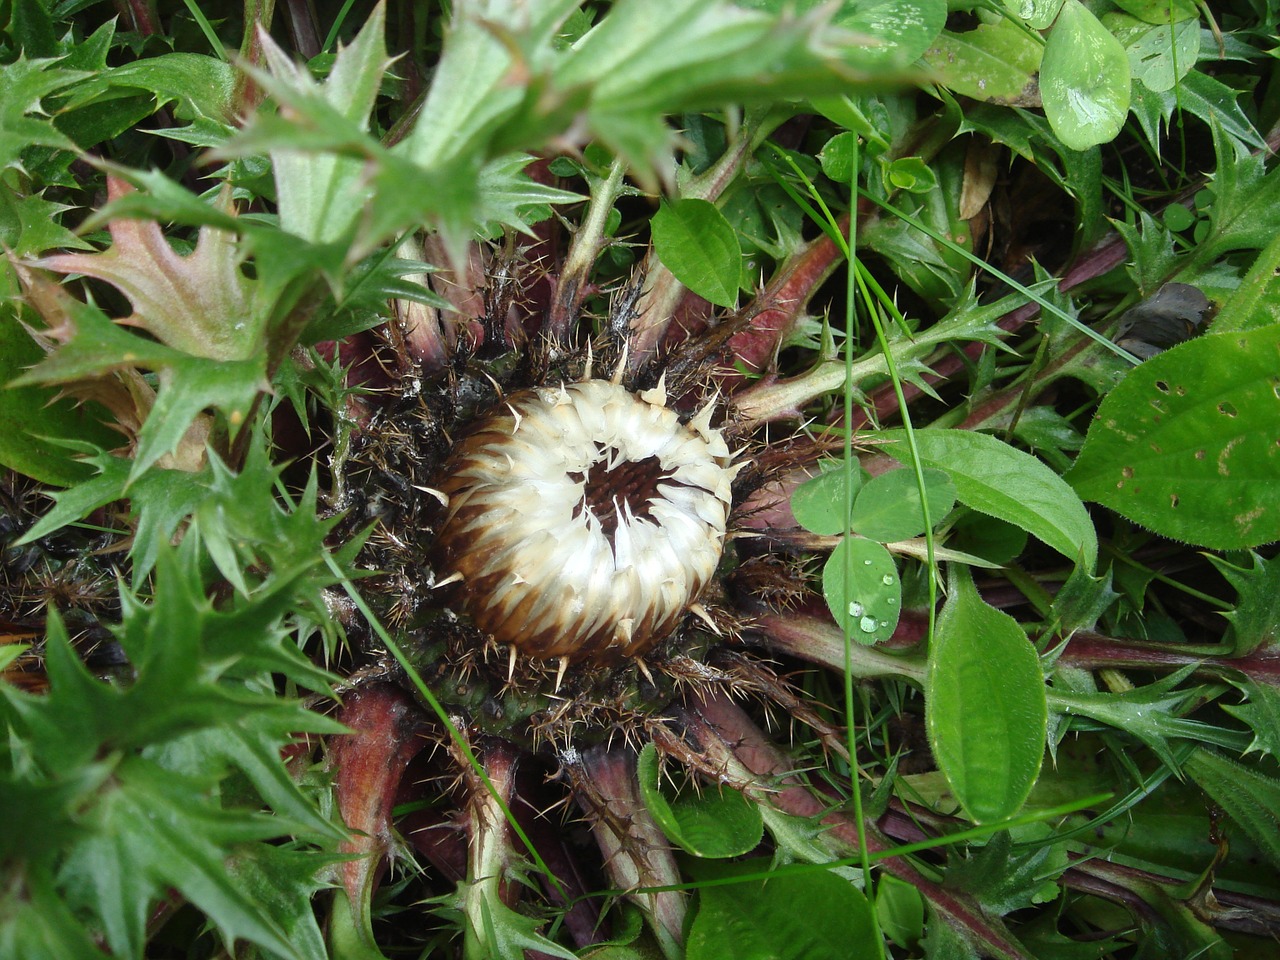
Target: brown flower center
[631, 482]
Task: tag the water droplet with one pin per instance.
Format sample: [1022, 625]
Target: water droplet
[887, 579]
[867, 624]
[866, 563]
[855, 608]
[892, 600]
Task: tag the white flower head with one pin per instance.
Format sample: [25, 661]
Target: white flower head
[584, 519]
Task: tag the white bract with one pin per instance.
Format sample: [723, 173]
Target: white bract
[584, 520]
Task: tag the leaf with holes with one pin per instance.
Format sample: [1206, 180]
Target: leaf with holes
[1188, 444]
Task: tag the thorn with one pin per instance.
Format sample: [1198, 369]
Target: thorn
[519, 419]
[699, 611]
[616, 379]
[586, 367]
[564, 665]
[511, 662]
[454, 577]
[644, 668]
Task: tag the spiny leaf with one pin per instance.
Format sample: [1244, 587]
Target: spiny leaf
[201, 304]
[1262, 714]
[23, 86]
[1255, 620]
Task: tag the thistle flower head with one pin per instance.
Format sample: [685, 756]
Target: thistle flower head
[584, 520]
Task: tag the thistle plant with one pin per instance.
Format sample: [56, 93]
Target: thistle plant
[638, 479]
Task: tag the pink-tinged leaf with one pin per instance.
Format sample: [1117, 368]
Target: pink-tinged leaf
[201, 304]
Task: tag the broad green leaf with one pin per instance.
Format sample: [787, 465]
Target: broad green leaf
[994, 478]
[911, 174]
[900, 910]
[818, 503]
[995, 62]
[1159, 11]
[871, 603]
[1084, 79]
[836, 156]
[1250, 798]
[716, 822]
[1037, 14]
[699, 246]
[888, 506]
[1158, 56]
[1186, 444]
[985, 706]
[813, 916]
[902, 29]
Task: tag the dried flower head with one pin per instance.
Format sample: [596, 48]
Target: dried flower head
[584, 520]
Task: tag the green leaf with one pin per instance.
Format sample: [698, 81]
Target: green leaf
[994, 62]
[900, 910]
[1160, 11]
[996, 479]
[498, 932]
[1005, 878]
[320, 195]
[872, 603]
[1037, 14]
[1262, 714]
[1255, 619]
[699, 246]
[813, 916]
[1246, 200]
[1186, 446]
[716, 822]
[1250, 798]
[985, 706]
[23, 86]
[30, 225]
[35, 425]
[888, 506]
[1153, 713]
[157, 830]
[1158, 56]
[911, 174]
[818, 503]
[199, 86]
[903, 29]
[37, 924]
[1084, 79]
